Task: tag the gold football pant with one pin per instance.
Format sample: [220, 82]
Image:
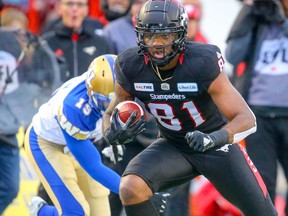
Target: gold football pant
[68, 185]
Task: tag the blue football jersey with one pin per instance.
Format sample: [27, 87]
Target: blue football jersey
[69, 109]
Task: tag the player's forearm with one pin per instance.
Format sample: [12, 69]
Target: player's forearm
[240, 127]
[107, 115]
[89, 158]
[105, 122]
[120, 95]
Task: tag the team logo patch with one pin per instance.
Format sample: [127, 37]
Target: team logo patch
[224, 148]
[165, 86]
[145, 87]
[187, 87]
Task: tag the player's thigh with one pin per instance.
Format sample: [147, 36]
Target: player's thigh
[95, 193]
[232, 172]
[161, 165]
[57, 174]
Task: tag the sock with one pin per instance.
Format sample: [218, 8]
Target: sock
[145, 208]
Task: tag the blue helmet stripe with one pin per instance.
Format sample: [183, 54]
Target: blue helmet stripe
[111, 61]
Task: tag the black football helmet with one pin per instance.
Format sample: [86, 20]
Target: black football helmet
[160, 17]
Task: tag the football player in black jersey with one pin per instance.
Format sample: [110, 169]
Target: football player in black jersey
[200, 115]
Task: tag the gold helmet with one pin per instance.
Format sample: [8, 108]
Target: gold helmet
[100, 81]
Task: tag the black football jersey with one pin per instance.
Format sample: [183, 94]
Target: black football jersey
[182, 103]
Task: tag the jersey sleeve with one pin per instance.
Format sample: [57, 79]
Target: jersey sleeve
[212, 66]
[120, 76]
[78, 122]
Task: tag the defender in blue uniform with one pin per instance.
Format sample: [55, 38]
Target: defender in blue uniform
[200, 115]
[58, 144]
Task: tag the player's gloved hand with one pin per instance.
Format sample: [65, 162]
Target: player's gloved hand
[115, 154]
[201, 142]
[119, 134]
[160, 201]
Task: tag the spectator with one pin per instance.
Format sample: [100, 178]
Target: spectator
[14, 18]
[194, 12]
[53, 21]
[258, 41]
[10, 50]
[54, 24]
[75, 41]
[16, 21]
[114, 9]
[19, 96]
[121, 32]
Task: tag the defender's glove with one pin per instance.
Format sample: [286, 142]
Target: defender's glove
[201, 142]
[160, 200]
[115, 154]
[118, 134]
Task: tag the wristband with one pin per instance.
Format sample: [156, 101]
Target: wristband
[220, 137]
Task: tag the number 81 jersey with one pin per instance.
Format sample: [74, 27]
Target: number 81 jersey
[180, 103]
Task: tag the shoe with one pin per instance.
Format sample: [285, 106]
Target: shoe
[160, 201]
[35, 205]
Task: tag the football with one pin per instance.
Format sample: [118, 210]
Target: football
[125, 110]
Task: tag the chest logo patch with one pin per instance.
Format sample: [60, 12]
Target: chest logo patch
[165, 86]
[145, 87]
[224, 148]
[187, 87]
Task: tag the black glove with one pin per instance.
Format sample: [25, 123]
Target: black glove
[160, 201]
[118, 134]
[201, 142]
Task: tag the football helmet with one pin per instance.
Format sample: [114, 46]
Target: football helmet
[100, 81]
[162, 17]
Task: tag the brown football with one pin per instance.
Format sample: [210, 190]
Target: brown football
[126, 108]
